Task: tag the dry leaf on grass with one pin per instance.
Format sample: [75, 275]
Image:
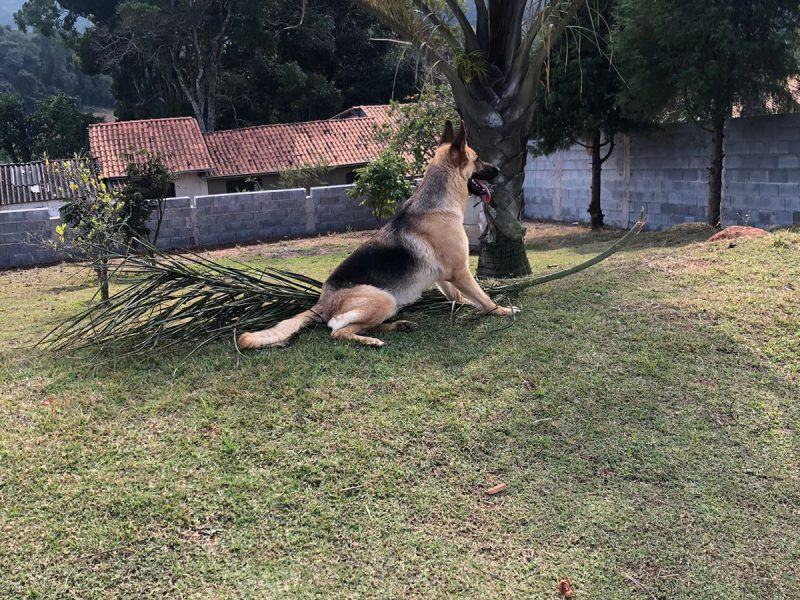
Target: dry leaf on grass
[565, 587]
[496, 489]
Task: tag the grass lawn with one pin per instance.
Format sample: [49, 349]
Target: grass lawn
[644, 414]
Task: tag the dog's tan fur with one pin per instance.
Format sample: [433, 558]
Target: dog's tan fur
[428, 228]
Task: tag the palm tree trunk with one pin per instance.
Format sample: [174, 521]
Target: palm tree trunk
[501, 251]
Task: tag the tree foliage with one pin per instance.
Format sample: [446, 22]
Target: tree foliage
[382, 184]
[416, 125]
[56, 128]
[230, 62]
[696, 60]
[93, 221]
[578, 103]
[148, 182]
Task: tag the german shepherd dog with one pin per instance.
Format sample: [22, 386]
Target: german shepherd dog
[422, 245]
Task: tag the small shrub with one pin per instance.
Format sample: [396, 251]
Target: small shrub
[381, 184]
[93, 221]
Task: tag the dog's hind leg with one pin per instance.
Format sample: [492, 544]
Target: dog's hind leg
[405, 326]
[350, 333]
[362, 308]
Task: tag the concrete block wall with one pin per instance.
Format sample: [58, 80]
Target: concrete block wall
[22, 233]
[249, 216]
[331, 209]
[668, 177]
[666, 173]
[762, 171]
[206, 221]
[177, 226]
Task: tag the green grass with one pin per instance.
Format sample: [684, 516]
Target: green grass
[644, 415]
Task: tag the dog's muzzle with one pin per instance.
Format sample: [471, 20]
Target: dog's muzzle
[478, 183]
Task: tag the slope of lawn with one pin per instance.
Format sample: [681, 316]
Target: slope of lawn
[644, 415]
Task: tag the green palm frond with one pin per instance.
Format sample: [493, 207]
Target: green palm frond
[187, 300]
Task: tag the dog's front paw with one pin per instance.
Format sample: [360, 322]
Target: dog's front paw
[504, 311]
[405, 326]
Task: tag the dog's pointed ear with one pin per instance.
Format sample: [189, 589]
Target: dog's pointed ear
[460, 140]
[447, 135]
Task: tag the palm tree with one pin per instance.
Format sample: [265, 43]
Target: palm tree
[493, 69]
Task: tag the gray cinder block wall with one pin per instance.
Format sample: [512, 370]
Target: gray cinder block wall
[667, 174]
[206, 221]
[762, 171]
[21, 235]
[331, 209]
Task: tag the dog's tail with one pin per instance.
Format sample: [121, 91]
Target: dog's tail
[279, 334]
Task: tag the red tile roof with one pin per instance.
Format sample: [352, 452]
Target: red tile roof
[347, 139]
[178, 140]
[344, 140]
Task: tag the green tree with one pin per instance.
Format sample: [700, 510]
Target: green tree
[416, 126]
[14, 140]
[578, 103]
[148, 182]
[230, 62]
[35, 67]
[94, 221]
[695, 60]
[56, 128]
[494, 70]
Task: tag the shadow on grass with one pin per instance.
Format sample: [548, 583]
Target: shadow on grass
[582, 240]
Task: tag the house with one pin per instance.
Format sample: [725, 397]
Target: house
[242, 159]
[178, 140]
[33, 185]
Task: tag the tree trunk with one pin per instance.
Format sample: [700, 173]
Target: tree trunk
[505, 257]
[102, 278]
[595, 211]
[501, 251]
[713, 209]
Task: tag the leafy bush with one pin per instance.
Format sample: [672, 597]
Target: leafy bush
[381, 184]
[416, 127]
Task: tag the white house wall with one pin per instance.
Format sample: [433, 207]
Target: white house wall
[190, 185]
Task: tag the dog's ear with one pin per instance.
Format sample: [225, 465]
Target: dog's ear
[447, 134]
[458, 147]
[460, 140]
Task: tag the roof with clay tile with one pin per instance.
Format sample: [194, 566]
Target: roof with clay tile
[178, 140]
[344, 140]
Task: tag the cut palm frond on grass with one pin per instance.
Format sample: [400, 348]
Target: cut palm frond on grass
[188, 300]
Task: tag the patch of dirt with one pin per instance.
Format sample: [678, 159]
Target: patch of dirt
[673, 264]
[735, 232]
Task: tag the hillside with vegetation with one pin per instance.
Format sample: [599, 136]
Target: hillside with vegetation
[34, 67]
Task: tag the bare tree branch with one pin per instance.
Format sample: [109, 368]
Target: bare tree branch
[302, 18]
